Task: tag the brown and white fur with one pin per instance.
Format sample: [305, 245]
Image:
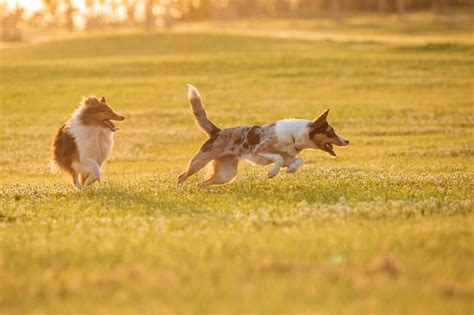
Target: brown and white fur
[85, 141]
[279, 143]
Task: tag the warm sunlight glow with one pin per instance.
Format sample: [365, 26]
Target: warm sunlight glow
[28, 5]
[34, 5]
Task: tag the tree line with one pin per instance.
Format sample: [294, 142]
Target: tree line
[97, 14]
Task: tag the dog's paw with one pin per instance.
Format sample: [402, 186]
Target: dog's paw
[272, 173]
[292, 169]
[296, 165]
[203, 185]
[181, 179]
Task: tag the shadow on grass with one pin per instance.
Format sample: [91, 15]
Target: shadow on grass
[251, 191]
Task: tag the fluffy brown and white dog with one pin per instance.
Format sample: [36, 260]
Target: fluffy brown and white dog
[279, 143]
[85, 141]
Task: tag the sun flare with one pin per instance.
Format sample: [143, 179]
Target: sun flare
[34, 5]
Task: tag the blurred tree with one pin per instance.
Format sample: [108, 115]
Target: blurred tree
[101, 13]
[336, 8]
[69, 15]
[94, 17]
[130, 11]
[167, 20]
[11, 30]
[51, 8]
[114, 8]
[440, 7]
[247, 8]
[401, 9]
[309, 7]
[382, 6]
[281, 8]
[202, 9]
[149, 14]
[435, 5]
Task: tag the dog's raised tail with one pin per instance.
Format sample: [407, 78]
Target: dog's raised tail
[199, 112]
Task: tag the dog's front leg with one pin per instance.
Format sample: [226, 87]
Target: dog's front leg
[295, 165]
[277, 159]
[77, 181]
[90, 172]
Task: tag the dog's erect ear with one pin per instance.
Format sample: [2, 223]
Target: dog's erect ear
[321, 120]
[86, 100]
[103, 100]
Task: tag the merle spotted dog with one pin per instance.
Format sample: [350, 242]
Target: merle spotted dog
[279, 143]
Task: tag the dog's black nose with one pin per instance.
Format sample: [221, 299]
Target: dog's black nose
[347, 142]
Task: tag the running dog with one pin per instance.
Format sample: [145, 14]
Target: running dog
[279, 143]
[85, 141]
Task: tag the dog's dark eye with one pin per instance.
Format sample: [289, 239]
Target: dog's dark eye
[330, 134]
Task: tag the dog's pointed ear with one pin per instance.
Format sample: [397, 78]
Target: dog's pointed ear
[86, 100]
[103, 100]
[321, 119]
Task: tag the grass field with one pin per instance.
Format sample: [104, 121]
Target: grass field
[384, 228]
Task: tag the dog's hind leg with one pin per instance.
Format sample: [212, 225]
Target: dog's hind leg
[224, 170]
[198, 161]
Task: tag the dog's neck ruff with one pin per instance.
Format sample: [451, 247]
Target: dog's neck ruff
[93, 142]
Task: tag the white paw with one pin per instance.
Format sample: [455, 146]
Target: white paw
[292, 169]
[273, 173]
[296, 165]
[91, 180]
[77, 183]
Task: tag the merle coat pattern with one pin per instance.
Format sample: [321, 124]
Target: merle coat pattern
[279, 143]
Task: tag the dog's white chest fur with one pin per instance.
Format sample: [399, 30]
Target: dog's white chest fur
[290, 135]
[92, 142]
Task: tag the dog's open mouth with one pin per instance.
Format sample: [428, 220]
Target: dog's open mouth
[109, 124]
[329, 148]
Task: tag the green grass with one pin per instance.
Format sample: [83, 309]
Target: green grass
[385, 228]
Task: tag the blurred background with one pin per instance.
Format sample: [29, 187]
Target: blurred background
[29, 19]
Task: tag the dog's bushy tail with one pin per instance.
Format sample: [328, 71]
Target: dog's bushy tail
[199, 112]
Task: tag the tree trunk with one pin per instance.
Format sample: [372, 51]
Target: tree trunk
[435, 6]
[10, 29]
[69, 16]
[167, 19]
[445, 7]
[149, 15]
[382, 7]
[440, 6]
[336, 8]
[401, 9]
[130, 13]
